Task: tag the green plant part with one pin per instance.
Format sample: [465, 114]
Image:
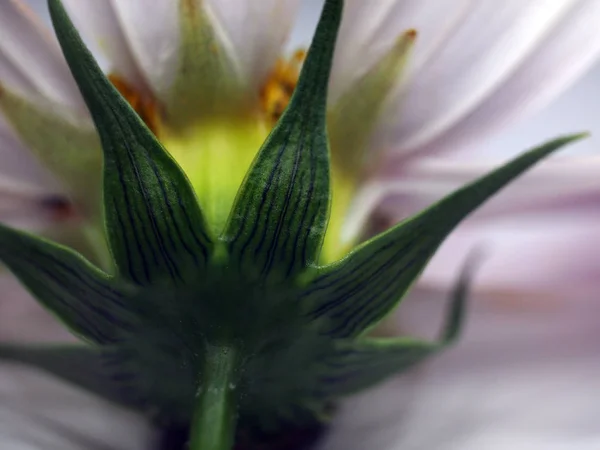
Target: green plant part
[244, 326]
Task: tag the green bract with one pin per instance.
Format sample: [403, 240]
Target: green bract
[245, 324]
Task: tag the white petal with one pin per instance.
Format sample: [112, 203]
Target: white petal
[152, 37]
[518, 379]
[142, 42]
[566, 183]
[564, 56]
[39, 412]
[24, 206]
[101, 26]
[22, 319]
[369, 29]
[257, 31]
[548, 42]
[19, 164]
[30, 58]
[545, 256]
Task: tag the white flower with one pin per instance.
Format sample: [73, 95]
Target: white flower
[209, 74]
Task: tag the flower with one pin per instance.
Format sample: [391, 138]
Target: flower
[221, 99]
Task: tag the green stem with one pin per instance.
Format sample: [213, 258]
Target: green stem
[214, 419]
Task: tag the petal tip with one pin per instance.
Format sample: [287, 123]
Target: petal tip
[410, 34]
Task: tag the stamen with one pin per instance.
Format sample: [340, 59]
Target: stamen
[279, 87]
[147, 108]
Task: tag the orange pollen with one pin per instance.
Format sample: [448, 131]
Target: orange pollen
[147, 108]
[280, 84]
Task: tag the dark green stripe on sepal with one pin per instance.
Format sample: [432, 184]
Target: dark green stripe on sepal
[155, 226]
[280, 215]
[358, 364]
[89, 302]
[352, 295]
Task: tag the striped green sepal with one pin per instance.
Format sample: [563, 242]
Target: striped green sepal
[87, 300]
[354, 294]
[156, 229]
[278, 221]
[359, 364]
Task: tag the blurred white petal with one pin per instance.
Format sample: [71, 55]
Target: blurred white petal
[567, 183]
[22, 319]
[100, 25]
[39, 412]
[370, 29]
[19, 164]
[490, 43]
[30, 59]
[558, 186]
[561, 57]
[524, 379]
[536, 260]
[503, 62]
[257, 32]
[152, 35]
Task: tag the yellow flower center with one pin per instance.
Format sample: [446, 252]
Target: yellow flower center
[216, 153]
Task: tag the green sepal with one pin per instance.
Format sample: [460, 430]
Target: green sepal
[79, 365]
[278, 221]
[359, 364]
[88, 301]
[207, 81]
[155, 227]
[352, 295]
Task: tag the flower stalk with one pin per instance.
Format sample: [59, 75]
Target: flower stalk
[215, 411]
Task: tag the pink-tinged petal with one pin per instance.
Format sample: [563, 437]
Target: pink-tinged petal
[562, 183]
[257, 32]
[65, 143]
[562, 57]
[39, 412]
[30, 59]
[540, 259]
[543, 43]
[370, 29]
[22, 319]
[152, 36]
[24, 206]
[101, 26]
[17, 162]
[520, 378]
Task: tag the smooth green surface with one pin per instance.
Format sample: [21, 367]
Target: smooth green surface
[215, 413]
